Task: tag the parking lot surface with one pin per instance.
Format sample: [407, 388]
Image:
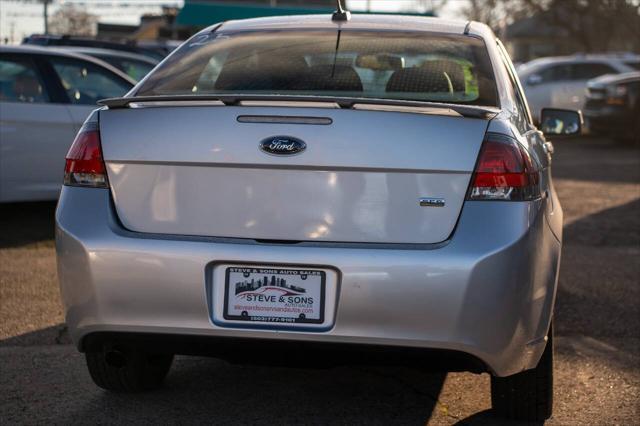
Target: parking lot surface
[43, 378]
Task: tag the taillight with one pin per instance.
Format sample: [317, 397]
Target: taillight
[84, 163]
[505, 171]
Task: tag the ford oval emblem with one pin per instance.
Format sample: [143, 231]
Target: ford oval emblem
[282, 145]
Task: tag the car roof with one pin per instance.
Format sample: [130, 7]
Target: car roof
[106, 52]
[616, 78]
[42, 50]
[598, 58]
[374, 22]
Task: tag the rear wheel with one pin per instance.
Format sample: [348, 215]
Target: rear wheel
[127, 369]
[527, 395]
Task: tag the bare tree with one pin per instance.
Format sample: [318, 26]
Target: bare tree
[421, 6]
[593, 25]
[436, 6]
[596, 26]
[70, 19]
[498, 13]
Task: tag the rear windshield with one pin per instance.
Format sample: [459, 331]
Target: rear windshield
[413, 66]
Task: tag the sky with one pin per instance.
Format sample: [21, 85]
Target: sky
[19, 18]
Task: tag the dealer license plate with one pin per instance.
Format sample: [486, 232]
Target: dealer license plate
[278, 295]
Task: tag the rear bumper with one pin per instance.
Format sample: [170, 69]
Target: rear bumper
[488, 292]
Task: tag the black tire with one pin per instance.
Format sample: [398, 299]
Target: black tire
[526, 396]
[128, 369]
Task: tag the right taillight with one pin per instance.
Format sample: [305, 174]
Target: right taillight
[84, 163]
[504, 172]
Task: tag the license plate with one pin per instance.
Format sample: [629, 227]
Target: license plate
[275, 295]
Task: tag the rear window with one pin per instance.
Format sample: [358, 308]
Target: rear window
[132, 67]
[361, 64]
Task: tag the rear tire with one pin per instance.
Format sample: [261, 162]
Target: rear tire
[121, 369]
[526, 396]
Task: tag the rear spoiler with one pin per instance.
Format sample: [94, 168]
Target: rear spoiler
[470, 111]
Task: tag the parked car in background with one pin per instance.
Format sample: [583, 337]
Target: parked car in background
[45, 95]
[134, 65]
[155, 52]
[561, 82]
[613, 105]
[164, 46]
[304, 190]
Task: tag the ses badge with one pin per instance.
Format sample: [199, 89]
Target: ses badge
[274, 295]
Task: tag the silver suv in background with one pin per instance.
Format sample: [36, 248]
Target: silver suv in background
[561, 82]
[318, 189]
[45, 96]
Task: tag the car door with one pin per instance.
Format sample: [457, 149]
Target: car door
[544, 87]
[85, 83]
[35, 131]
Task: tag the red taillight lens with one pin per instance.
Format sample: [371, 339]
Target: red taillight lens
[505, 171]
[84, 163]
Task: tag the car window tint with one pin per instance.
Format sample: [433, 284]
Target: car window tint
[555, 73]
[363, 64]
[633, 64]
[134, 69]
[588, 71]
[86, 83]
[20, 82]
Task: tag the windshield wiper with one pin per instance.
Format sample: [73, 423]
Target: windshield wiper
[471, 111]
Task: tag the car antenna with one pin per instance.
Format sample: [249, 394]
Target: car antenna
[341, 14]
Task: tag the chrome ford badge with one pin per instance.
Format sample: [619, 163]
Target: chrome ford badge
[282, 145]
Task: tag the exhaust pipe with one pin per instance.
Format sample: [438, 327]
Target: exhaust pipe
[115, 358]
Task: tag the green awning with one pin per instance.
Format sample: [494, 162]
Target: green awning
[196, 14]
[205, 14]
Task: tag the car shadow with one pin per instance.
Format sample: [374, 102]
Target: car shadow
[343, 395]
[597, 302]
[54, 335]
[27, 223]
[486, 417]
[206, 390]
[616, 226]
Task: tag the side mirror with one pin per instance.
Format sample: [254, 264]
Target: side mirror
[534, 79]
[560, 122]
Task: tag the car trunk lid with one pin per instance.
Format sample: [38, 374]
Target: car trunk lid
[199, 170]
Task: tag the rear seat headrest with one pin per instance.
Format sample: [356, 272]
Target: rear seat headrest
[432, 77]
[328, 77]
[279, 72]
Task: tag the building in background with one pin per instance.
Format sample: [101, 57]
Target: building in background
[535, 37]
[156, 27]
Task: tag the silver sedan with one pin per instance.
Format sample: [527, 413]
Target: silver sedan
[318, 189]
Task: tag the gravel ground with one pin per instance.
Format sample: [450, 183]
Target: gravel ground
[43, 378]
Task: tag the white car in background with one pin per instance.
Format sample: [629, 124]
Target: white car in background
[561, 81]
[45, 96]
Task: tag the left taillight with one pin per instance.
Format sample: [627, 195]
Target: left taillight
[84, 162]
[505, 172]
